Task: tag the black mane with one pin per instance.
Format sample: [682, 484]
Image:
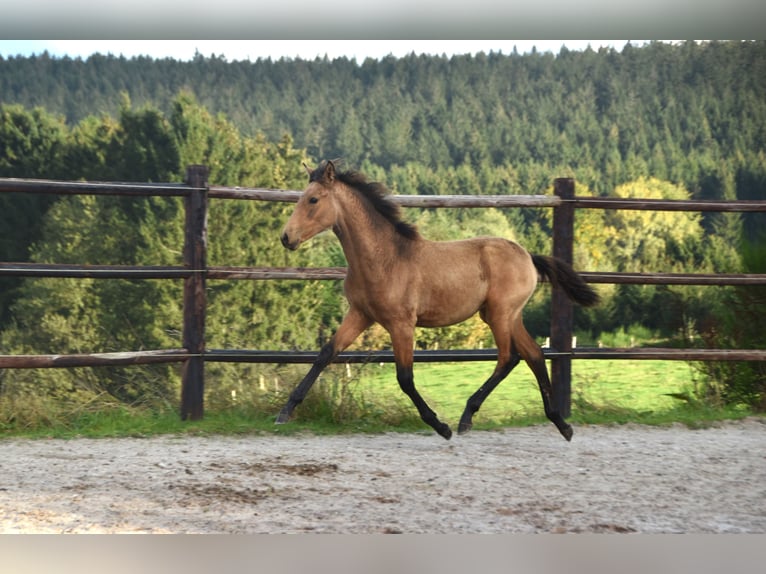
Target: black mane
[376, 193]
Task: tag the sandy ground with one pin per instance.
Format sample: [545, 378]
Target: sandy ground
[619, 479]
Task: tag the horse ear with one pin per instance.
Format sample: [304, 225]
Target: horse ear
[329, 172]
[307, 168]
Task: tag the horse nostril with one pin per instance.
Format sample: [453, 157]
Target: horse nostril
[286, 242]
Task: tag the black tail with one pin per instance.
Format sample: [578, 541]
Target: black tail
[561, 274]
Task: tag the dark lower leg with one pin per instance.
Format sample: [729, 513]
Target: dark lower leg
[546, 390]
[326, 355]
[474, 403]
[352, 325]
[407, 383]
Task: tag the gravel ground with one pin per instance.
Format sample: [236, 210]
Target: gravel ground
[620, 479]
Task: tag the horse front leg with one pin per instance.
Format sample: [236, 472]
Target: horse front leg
[325, 357]
[353, 324]
[402, 342]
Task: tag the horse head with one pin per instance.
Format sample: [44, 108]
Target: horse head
[316, 210]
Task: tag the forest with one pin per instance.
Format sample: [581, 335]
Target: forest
[663, 120]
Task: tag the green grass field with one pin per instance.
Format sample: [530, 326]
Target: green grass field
[603, 392]
[635, 389]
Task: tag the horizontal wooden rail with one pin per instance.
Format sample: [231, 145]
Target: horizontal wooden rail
[675, 278]
[265, 273]
[289, 196]
[359, 357]
[477, 200]
[332, 274]
[100, 188]
[453, 355]
[337, 273]
[93, 359]
[664, 354]
[669, 204]
[292, 196]
[254, 193]
[93, 271]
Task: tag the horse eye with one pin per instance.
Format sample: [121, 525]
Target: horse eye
[313, 199]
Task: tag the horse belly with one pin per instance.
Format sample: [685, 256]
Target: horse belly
[448, 301]
[442, 319]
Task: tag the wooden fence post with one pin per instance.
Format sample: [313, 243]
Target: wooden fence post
[562, 311]
[195, 258]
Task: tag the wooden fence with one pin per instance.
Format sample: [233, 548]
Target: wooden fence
[195, 272]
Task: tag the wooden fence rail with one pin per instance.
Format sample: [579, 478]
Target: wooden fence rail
[334, 274]
[195, 273]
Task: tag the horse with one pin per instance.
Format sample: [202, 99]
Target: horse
[401, 280]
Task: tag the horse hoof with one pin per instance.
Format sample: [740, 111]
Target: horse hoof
[567, 432]
[444, 431]
[464, 428]
[282, 418]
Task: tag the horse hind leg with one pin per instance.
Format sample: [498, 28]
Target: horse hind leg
[507, 359]
[505, 364]
[502, 370]
[531, 352]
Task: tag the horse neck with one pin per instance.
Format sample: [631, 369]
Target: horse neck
[369, 242]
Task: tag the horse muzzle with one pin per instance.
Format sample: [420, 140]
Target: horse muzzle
[291, 245]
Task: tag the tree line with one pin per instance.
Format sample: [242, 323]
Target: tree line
[676, 111]
[659, 121]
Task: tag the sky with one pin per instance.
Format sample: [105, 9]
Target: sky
[279, 29]
[304, 49]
